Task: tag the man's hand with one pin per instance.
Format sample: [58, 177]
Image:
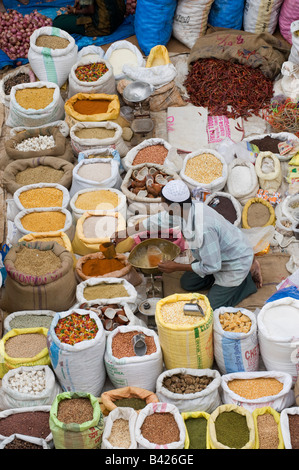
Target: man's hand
[169, 266]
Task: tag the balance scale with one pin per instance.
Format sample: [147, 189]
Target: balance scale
[136, 95]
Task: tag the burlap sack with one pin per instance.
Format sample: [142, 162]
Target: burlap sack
[13, 168]
[54, 291]
[108, 398]
[166, 96]
[263, 51]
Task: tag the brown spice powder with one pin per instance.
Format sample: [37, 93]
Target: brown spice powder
[122, 344]
[258, 214]
[36, 262]
[160, 428]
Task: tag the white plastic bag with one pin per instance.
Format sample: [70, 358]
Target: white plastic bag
[206, 400]
[130, 299]
[13, 411]
[282, 136]
[121, 208]
[78, 367]
[290, 80]
[91, 52]
[52, 65]
[105, 84]
[268, 170]
[242, 182]
[134, 371]
[259, 237]
[123, 45]
[294, 54]
[285, 427]
[261, 15]
[156, 76]
[190, 20]
[29, 187]
[128, 414]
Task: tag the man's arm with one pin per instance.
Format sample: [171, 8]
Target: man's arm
[77, 9]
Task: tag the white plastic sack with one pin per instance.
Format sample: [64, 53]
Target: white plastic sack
[78, 367]
[234, 201]
[216, 185]
[82, 145]
[235, 352]
[242, 182]
[33, 440]
[30, 409]
[268, 170]
[19, 116]
[206, 400]
[261, 16]
[18, 192]
[130, 299]
[134, 371]
[128, 414]
[294, 54]
[121, 208]
[278, 330]
[160, 408]
[290, 78]
[99, 153]
[91, 52]
[231, 150]
[11, 398]
[52, 65]
[288, 207]
[12, 316]
[23, 69]
[79, 183]
[105, 84]
[156, 76]
[285, 427]
[282, 136]
[118, 74]
[278, 402]
[190, 20]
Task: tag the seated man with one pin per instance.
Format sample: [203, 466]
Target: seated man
[92, 17]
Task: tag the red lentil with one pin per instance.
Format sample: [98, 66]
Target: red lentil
[75, 328]
[91, 72]
[122, 345]
[160, 428]
[151, 154]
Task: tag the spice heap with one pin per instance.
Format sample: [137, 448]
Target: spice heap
[122, 344]
[42, 142]
[120, 434]
[111, 316]
[39, 174]
[18, 443]
[160, 428]
[47, 221]
[219, 84]
[91, 72]
[186, 383]
[132, 402]
[267, 431]
[75, 410]
[101, 199]
[94, 267]
[16, 80]
[52, 42]
[25, 345]
[32, 382]
[151, 154]
[36, 262]
[294, 430]
[197, 432]
[204, 168]
[258, 214]
[148, 182]
[236, 322]
[255, 388]
[28, 320]
[95, 133]
[173, 313]
[105, 291]
[35, 98]
[98, 171]
[41, 197]
[28, 423]
[89, 107]
[224, 206]
[267, 144]
[75, 328]
[231, 429]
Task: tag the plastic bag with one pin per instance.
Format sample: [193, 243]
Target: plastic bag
[259, 237]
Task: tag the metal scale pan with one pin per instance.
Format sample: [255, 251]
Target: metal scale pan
[137, 93]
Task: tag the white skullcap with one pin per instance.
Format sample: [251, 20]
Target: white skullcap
[176, 191]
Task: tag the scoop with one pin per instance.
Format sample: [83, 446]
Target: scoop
[193, 308]
[139, 345]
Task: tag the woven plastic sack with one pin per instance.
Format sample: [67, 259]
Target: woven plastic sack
[160, 408]
[242, 181]
[134, 371]
[234, 201]
[235, 352]
[127, 414]
[112, 111]
[86, 435]
[263, 411]
[91, 51]
[124, 45]
[23, 69]
[282, 136]
[278, 402]
[110, 396]
[64, 191]
[121, 208]
[130, 299]
[254, 200]
[227, 14]
[294, 54]
[206, 400]
[11, 398]
[268, 181]
[7, 325]
[8, 363]
[289, 12]
[105, 84]
[261, 16]
[78, 366]
[195, 342]
[33, 440]
[285, 427]
[52, 65]
[194, 414]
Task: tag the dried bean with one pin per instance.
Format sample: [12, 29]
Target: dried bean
[29, 423]
[16, 80]
[160, 428]
[75, 410]
[185, 383]
[120, 434]
[122, 345]
[18, 443]
[267, 431]
[294, 430]
[151, 154]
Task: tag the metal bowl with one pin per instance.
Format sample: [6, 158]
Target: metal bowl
[167, 247]
[137, 91]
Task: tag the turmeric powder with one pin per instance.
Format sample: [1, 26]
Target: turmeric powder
[91, 106]
[98, 267]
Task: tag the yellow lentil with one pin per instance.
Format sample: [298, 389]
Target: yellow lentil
[41, 197]
[173, 313]
[101, 200]
[47, 221]
[34, 98]
[255, 388]
[95, 133]
[236, 322]
[204, 168]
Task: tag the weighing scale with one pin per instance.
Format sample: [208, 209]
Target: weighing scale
[136, 95]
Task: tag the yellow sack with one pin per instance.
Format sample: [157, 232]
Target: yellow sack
[83, 245]
[158, 56]
[195, 414]
[8, 363]
[112, 111]
[294, 160]
[254, 200]
[276, 415]
[184, 344]
[212, 438]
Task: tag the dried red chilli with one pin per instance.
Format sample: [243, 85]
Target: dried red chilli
[228, 88]
[91, 72]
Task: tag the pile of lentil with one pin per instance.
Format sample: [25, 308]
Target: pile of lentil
[39, 174]
[231, 429]
[101, 199]
[52, 42]
[204, 168]
[173, 313]
[122, 344]
[151, 154]
[186, 383]
[41, 197]
[294, 430]
[25, 345]
[36, 262]
[105, 291]
[95, 133]
[120, 434]
[75, 328]
[28, 320]
[91, 72]
[46, 221]
[21, 444]
[75, 410]
[197, 432]
[160, 428]
[267, 431]
[28, 423]
[255, 388]
[34, 98]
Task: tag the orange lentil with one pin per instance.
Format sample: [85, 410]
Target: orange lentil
[47, 221]
[255, 388]
[41, 197]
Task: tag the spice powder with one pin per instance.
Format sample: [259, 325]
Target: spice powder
[89, 107]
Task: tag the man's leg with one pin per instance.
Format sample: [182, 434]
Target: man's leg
[191, 282]
[220, 296]
[69, 24]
